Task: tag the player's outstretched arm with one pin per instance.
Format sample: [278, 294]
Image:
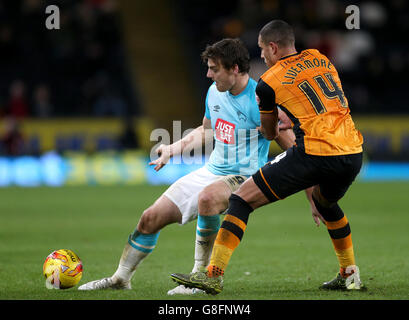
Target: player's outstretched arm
[195, 138]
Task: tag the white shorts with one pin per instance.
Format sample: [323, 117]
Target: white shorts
[184, 192]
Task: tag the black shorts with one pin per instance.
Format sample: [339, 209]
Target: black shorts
[294, 170]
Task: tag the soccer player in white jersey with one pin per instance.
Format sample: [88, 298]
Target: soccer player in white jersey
[232, 115]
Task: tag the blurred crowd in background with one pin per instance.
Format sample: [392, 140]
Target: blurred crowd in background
[373, 61]
[78, 70]
[83, 68]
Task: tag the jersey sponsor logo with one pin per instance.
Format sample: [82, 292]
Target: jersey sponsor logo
[225, 131]
[216, 108]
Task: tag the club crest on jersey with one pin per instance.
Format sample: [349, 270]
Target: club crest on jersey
[242, 116]
[225, 131]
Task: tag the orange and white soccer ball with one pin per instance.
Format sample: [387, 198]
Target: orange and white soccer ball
[62, 269]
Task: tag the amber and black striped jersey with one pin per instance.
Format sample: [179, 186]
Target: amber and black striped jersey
[306, 86]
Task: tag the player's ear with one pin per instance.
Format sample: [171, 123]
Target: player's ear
[236, 69]
[274, 47]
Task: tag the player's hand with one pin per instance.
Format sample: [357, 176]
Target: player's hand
[164, 153]
[317, 217]
[284, 121]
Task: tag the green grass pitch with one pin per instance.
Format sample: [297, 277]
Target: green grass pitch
[283, 255]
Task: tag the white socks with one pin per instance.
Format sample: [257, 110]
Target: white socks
[206, 232]
[139, 246]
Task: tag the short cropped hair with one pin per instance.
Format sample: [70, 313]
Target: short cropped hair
[228, 52]
[278, 31]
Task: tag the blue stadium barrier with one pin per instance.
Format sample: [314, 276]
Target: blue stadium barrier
[52, 169]
[384, 171]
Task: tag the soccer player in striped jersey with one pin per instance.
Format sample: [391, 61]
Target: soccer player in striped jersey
[232, 117]
[327, 155]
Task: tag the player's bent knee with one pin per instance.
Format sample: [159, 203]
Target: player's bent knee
[205, 199]
[330, 211]
[157, 217]
[148, 222]
[209, 203]
[318, 197]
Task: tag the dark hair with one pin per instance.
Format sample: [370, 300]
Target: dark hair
[229, 52]
[278, 31]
